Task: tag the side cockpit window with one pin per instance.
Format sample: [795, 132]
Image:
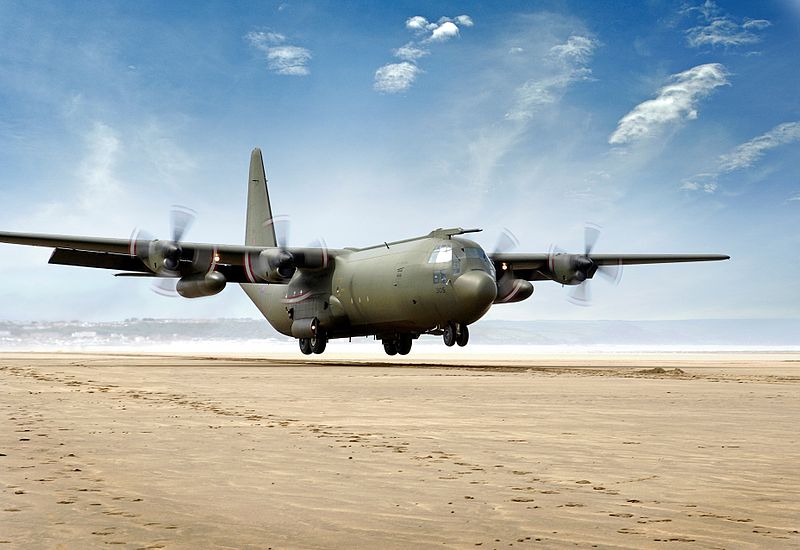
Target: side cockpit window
[441, 254]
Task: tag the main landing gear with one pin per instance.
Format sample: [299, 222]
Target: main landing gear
[455, 333]
[316, 344]
[400, 345]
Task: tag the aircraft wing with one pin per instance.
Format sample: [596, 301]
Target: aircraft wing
[536, 267]
[120, 254]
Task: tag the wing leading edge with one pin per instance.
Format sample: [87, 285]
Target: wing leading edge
[536, 267]
[120, 254]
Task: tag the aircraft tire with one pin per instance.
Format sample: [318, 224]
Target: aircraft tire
[390, 347]
[305, 346]
[319, 342]
[404, 344]
[449, 335]
[463, 336]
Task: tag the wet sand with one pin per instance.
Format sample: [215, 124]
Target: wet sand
[619, 451]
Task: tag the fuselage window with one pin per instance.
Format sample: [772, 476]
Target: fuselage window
[441, 254]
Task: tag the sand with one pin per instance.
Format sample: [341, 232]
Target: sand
[624, 451]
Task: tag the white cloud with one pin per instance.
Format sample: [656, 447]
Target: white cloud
[572, 57]
[719, 29]
[410, 52]
[398, 77]
[536, 93]
[464, 20]
[709, 187]
[281, 58]
[794, 198]
[577, 49]
[746, 154]
[289, 60]
[675, 102]
[395, 77]
[96, 173]
[444, 32]
[757, 24]
[515, 50]
[417, 23]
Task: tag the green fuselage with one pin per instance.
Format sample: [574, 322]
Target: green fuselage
[414, 286]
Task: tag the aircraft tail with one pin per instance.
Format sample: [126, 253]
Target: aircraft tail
[260, 229]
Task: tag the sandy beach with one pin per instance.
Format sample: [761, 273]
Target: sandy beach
[613, 451]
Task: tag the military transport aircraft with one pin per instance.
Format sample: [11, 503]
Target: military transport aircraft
[438, 284]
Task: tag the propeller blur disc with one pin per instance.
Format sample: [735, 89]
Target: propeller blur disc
[181, 219]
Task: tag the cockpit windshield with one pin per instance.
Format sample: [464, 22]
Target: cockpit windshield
[479, 254]
[476, 253]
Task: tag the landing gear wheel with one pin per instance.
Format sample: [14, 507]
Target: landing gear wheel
[463, 336]
[449, 335]
[305, 346]
[390, 347]
[404, 344]
[319, 341]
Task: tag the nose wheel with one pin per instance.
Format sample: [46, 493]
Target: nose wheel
[455, 333]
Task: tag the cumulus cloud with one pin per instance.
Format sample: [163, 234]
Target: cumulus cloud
[398, 77]
[410, 52]
[281, 58]
[720, 29]
[569, 65]
[445, 31]
[417, 23]
[675, 102]
[745, 155]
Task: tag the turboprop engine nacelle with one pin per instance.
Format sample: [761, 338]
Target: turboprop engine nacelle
[275, 265]
[510, 289]
[571, 269]
[158, 255]
[202, 284]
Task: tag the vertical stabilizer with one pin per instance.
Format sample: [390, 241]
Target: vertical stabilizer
[260, 230]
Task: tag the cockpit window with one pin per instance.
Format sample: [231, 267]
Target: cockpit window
[441, 254]
[476, 253]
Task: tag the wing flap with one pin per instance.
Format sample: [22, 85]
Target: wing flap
[101, 260]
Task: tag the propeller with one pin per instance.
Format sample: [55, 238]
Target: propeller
[506, 242]
[582, 268]
[181, 219]
[142, 243]
[283, 262]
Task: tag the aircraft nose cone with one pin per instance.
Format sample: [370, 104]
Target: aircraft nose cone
[476, 290]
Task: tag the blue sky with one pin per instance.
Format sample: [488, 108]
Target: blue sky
[674, 125]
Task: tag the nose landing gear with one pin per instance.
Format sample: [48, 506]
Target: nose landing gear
[455, 333]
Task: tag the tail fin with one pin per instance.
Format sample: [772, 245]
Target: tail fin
[260, 230]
